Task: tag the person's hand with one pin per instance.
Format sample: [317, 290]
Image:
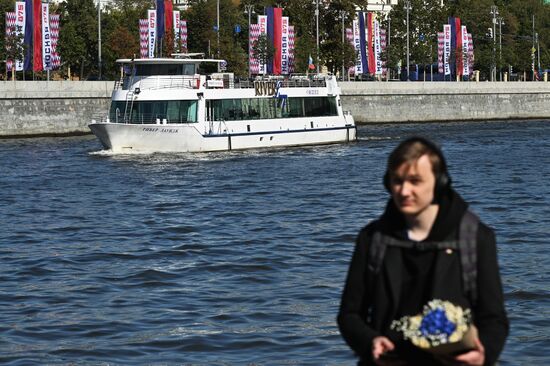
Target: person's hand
[475, 357]
[380, 346]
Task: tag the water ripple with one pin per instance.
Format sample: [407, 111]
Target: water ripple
[237, 257]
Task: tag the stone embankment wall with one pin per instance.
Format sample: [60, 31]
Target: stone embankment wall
[382, 102]
[29, 108]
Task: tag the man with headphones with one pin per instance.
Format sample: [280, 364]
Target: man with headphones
[410, 256]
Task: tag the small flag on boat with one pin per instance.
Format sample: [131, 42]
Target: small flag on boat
[310, 64]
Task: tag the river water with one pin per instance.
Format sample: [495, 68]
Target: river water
[238, 257]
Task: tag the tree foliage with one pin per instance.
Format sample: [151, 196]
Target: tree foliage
[263, 49]
[78, 37]
[78, 44]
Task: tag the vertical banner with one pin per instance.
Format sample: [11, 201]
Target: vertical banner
[357, 46]
[349, 38]
[285, 59]
[363, 44]
[471, 52]
[277, 39]
[262, 22]
[20, 20]
[383, 43]
[168, 16]
[183, 34]
[47, 51]
[152, 34]
[29, 31]
[291, 40]
[177, 30]
[37, 34]
[10, 30]
[447, 48]
[270, 33]
[458, 49]
[253, 34]
[440, 47]
[370, 43]
[54, 26]
[377, 48]
[465, 50]
[143, 31]
[160, 19]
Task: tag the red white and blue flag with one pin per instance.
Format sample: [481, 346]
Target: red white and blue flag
[310, 64]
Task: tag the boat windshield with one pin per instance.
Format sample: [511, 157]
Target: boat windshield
[173, 111]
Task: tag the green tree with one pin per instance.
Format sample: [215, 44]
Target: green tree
[203, 35]
[15, 49]
[5, 6]
[335, 52]
[120, 30]
[521, 37]
[263, 49]
[78, 36]
[426, 19]
[302, 16]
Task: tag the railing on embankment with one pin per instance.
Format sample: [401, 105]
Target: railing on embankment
[30, 108]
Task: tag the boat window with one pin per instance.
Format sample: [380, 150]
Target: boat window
[174, 111]
[165, 69]
[269, 108]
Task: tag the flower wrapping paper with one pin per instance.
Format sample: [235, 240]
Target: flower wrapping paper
[442, 328]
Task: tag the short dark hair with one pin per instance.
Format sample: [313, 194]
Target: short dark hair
[412, 149]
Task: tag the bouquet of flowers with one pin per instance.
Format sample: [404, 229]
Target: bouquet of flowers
[442, 328]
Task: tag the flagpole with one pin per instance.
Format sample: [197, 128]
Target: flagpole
[98, 37]
[317, 17]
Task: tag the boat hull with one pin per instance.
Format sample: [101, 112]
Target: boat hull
[127, 138]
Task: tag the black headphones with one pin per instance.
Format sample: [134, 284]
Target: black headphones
[442, 180]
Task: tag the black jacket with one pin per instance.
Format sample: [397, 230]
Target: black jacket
[368, 311]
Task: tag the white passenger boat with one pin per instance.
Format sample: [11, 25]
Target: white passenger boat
[176, 105]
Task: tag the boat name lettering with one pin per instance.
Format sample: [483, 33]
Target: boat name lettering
[312, 92]
[265, 87]
[164, 130]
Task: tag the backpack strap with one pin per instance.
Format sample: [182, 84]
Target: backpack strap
[467, 238]
[377, 249]
[380, 242]
[466, 244]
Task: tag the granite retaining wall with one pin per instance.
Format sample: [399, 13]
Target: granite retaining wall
[29, 108]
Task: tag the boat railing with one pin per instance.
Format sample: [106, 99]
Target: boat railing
[193, 82]
[158, 82]
[285, 83]
[141, 118]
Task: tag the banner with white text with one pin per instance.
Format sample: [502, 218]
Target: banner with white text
[152, 20]
[285, 54]
[262, 22]
[447, 48]
[377, 48]
[47, 51]
[465, 52]
[177, 30]
[20, 20]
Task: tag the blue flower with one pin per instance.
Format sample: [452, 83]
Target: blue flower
[436, 323]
